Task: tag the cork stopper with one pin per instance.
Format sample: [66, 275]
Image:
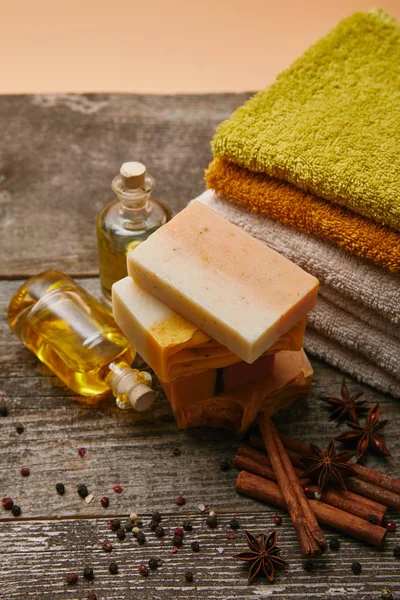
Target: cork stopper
[133, 175]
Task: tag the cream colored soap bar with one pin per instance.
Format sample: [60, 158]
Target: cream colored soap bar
[169, 344]
[230, 285]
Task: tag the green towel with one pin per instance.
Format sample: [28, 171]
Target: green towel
[330, 124]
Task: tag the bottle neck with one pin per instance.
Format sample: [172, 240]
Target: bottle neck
[133, 202]
[130, 387]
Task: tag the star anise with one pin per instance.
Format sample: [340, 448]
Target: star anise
[366, 434]
[328, 467]
[263, 555]
[346, 405]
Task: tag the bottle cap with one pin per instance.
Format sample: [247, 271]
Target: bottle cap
[141, 397]
[133, 175]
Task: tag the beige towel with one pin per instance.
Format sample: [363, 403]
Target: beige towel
[353, 325]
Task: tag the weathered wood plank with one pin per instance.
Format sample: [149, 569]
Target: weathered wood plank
[59, 154]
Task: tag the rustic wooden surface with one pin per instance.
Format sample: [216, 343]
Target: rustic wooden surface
[59, 156]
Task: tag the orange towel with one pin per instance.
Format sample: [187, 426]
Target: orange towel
[305, 212]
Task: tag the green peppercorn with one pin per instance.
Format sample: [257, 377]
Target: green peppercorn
[121, 533]
[187, 525]
[88, 573]
[137, 522]
[129, 525]
[153, 564]
[334, 544]
[234, 524]
[113, 568]
[356, 567]
[189, 576]
[60, 487]
[16, 510]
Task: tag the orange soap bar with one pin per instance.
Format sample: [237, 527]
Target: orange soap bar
[218, 277]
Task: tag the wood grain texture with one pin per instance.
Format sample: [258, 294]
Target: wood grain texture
[58, 155]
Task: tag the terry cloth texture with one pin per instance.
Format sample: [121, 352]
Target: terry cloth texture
[356, 323]
[306, 212]
[330, 123]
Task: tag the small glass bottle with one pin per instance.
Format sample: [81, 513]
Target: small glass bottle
[127, 221]
[76, 337]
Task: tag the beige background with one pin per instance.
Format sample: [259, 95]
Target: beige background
[159, 46]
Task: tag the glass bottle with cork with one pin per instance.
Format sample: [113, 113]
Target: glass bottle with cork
[128, 220]
[77, 338]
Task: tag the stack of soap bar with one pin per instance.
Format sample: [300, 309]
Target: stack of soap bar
[171, 345]
[219, 317]
[230, 285]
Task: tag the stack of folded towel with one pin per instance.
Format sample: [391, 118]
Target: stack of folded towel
[311, 166]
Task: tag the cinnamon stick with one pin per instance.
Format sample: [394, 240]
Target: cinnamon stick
[257, 462]
[364, 484]
[268, 491]
[311, 539]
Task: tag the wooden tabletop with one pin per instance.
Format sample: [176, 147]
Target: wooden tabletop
[57, 158]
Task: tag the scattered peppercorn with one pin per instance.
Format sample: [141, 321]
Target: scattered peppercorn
[212, 521]
[88, 573]
[16, 510]
[19, 428]
[180, 501]
[141, 538]
[7, 503]
[153, 564]
[178, 531]
[121, 533]
[137, 521]
[390, 526]
[386, 594]
[60, 487]
[156, 516]
[189, 576]
[373, 519]
[177, 540]
[3, 410]
[176, 452]
[25, 472]
[82, 490]
[187, 525]
[234, 524]
[396, 552]
[334, 544]
[105, 502]
[175, 549]
[308, 565]
[92, 596]
[159, 531]
[133, 516]
[115, 524]
[143, 570]
[128, 525]
[107, 546]
[118, 489]
[195, 546]
[277, 520]
[81, 452]
[225, 465]
[153, 524]
[72, 578]
[113, 568]
[230, 535]
[356, 567]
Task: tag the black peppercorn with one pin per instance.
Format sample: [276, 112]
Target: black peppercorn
[195, 546]
[71, 579]
[177, 540]
[153, 564]
[60, 487]
[396, 552]
[3, 410]
[156, 516]
[121, 533]
[129, 525]
[115, 524]
[225, 465]
[234, 524]
[88, 573]
[212, 521]
[159, 531]
[356, 567]
[113, 568]
[16, 510]
[187, 525]
[153, 524]
[141, 538]
[19, 428]
[189, 576]
[373, 519]
[176, 452]
[334, 544]
[308, 565]
[82, 490]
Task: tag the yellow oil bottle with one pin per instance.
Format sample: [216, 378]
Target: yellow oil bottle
[77, 338]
